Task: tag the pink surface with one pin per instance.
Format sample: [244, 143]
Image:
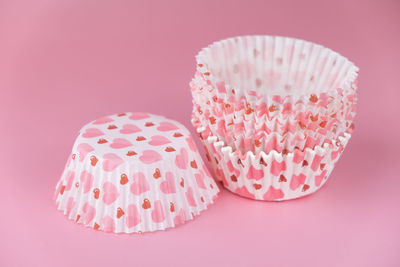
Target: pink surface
[64, 63]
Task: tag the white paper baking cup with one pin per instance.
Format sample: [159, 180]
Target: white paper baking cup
[315, 129]
[266, 66]
[134, 173]
[258, 78]
[282, 137]
[273, 176]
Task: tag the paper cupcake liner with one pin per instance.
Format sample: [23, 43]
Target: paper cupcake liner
[134, 173]
[258, 78]
[308, 117]
[341, 109]
[262, 140]
[273, 176]
[323, 126]
[253, 107]
[268, 66]
[282, 136]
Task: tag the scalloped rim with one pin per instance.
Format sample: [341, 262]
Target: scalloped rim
[250, 155]
[350, 77]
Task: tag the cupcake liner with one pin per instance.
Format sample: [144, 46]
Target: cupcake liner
[267, 66]
[273, 176]
[283, 135]
[214, 111]
[134, 173]
[257, 79]
[263, 139]
[319, 127]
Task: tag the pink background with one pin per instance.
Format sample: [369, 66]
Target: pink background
[64, 63]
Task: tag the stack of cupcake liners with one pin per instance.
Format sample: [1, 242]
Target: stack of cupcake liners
[270, 99]
[317, 124]
[277, 134]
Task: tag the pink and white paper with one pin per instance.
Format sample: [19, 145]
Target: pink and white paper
[134, 172]
[272, 176]
[248, 87]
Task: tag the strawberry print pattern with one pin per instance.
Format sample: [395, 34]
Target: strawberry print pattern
[134, 173]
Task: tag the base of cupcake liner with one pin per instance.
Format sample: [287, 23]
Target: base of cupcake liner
[273, 176]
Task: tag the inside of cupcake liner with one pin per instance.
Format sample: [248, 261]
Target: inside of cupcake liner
[275, 106]
[273, 65]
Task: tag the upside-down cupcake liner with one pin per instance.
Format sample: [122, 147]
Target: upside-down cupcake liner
[134, 173]
[273, 176]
